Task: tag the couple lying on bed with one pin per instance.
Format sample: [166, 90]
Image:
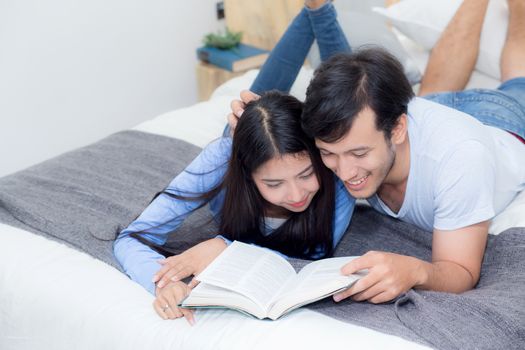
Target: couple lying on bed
[447, 167]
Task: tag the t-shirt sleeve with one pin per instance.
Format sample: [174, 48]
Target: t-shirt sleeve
[464, 187]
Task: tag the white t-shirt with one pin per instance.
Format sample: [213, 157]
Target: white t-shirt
[462, 172]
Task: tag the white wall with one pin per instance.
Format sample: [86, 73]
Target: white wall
[72, 71]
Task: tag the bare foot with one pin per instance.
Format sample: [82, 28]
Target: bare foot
[314, 4]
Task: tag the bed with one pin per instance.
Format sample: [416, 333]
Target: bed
[56, 295]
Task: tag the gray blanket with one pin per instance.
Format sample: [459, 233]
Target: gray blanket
[85, 197]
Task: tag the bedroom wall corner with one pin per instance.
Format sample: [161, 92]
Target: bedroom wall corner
[73, 72]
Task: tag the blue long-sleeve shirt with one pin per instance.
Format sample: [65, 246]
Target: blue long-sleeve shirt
[165, 214]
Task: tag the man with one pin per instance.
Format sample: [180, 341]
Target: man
[422, 162]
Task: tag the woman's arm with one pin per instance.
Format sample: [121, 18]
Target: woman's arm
[165, 214]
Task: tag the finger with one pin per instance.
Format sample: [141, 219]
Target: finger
[358, 287]
[158, 275]
[173, 311]
[237, 108]
[363, 262]
[173, 274]
[369, 293]
[193, 283]
[188, 315]
[164, 270]
[232, 122]
[248, 96]
[182, 273]
[159, 309]
[165, 307]
[381, 298]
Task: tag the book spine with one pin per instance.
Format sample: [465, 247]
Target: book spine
[215, 58]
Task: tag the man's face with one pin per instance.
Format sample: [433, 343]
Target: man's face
[362, 159]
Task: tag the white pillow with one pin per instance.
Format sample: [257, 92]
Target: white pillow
[512, 216]
[365, 29]
[424, 20]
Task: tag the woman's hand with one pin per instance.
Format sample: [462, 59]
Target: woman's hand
[237, 107]
[191, 262]
[169, 297]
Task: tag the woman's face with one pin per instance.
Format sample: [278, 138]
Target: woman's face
[288, 182]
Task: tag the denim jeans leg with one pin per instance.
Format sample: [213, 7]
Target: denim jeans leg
[286, 59]
[327, 31]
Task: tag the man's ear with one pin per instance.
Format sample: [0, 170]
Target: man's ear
[400, 131]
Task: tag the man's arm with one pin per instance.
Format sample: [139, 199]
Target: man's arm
[456, 259]
[456, 263]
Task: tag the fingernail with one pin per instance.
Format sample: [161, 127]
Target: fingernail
[174, 278]
[160, 284]
[238, 113]
[337, 298]
[154, 279]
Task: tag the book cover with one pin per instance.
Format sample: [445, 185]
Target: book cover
[239, 58]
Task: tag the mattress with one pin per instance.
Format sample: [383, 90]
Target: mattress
[56, 297]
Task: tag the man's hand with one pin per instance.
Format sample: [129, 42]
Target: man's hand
[237, 107]
[191, 262]
[389, 275]
[455, 268]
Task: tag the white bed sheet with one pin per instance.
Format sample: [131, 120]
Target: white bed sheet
[54, 297]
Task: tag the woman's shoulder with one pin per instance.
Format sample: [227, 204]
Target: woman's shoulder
[215, 155]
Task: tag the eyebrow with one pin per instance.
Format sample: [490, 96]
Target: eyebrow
[308, 168]
[357, 149]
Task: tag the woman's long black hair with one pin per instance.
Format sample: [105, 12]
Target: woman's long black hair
[271, 127]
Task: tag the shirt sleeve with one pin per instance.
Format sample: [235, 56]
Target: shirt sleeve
[344, 208]
[165, 214]
[464, 188]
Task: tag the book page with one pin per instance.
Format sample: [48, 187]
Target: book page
[317, 273]
[255, 272]
[315, 281]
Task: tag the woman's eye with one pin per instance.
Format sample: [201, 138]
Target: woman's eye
[273, 185]
[307, 176]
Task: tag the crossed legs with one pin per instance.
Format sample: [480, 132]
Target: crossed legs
[513, 54]
[454, 56]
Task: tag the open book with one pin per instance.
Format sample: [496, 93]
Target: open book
[259, 282]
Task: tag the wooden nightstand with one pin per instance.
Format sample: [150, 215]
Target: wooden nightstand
[209, 77]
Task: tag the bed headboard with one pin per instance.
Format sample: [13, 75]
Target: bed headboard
[263, 21]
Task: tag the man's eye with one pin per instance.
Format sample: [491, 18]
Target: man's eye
[360, 155]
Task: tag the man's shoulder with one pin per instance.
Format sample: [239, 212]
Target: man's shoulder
[435, 127]
[430, 113]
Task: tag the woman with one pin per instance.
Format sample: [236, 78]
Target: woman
[267, 186]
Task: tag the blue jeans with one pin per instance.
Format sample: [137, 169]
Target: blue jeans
[286, 59]
[503, 107]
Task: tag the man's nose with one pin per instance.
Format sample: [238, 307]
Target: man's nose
[346, 169]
